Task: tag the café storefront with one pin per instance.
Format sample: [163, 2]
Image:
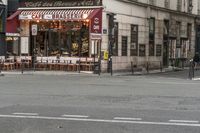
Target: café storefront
[65, 28]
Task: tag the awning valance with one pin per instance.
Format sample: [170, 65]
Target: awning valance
[62, 14]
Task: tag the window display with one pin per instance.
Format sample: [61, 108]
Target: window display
[65, 38]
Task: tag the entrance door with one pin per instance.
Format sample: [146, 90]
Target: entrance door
[165, 54]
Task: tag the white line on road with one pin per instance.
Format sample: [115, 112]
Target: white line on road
[174, 83]
[196, 79]
[25, 114]
[76, 116]
[126, 118]
[184, 121]
[101, 120]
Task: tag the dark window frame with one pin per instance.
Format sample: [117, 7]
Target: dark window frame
[116, 34]
[124, 46]
[134, 39]
[152, 36]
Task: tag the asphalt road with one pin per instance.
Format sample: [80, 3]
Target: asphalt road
[156, 103]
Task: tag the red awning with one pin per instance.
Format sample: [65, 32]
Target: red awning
[61, 14]
[12, 23]
[14, 15]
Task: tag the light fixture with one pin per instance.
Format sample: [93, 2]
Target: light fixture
[85, 16]
[87, 20]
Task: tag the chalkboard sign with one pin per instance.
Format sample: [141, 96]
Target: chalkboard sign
[158, 50]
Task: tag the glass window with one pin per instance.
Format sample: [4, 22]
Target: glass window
[134, 40]
[63, 38]
[115, 45]
[12, 45]
[124, 45]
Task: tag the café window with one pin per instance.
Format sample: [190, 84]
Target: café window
[124, 45]
[62, 38]
[12, 45]
[134, 40]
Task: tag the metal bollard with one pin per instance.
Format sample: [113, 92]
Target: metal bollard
[22, 69]
[0, 66]
[147, 67]
[191, 70]
[161, 66]
[132, 68]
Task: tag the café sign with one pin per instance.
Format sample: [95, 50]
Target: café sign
[96, 23]
[70, 16]
[59, 3]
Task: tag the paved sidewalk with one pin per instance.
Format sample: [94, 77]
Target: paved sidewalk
[143, 72]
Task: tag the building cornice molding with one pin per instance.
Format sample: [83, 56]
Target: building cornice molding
[57, 8]
[158, 8]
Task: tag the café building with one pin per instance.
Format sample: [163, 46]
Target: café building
[68, 28]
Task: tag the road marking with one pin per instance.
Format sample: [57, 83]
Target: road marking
[126, 118]
[196, 79]
[76, 116]
[101, 120]
[184, 121]
[33, 114]
[175, 83]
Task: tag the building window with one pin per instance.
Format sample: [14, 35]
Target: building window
[115, 44]
[134, 40]
[179, 5]
[178, 32]
[167, 3]
[152, 2]
[166, 27]
[151, 36]
[190, 6]
[158, 50]
[124, 45]
[142, 50]
[189, 34]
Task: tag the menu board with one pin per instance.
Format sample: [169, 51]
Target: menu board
[24, 45]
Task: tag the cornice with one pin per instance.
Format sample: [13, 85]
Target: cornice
[158, 8]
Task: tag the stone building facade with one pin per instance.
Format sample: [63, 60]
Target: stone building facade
[151, 33]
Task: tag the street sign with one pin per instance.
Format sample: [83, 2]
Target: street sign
[34, 29]
[105, 55]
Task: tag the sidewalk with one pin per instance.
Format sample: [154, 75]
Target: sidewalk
[143, 72]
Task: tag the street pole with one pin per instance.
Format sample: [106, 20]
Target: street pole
[34, 53]
[110, 44]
